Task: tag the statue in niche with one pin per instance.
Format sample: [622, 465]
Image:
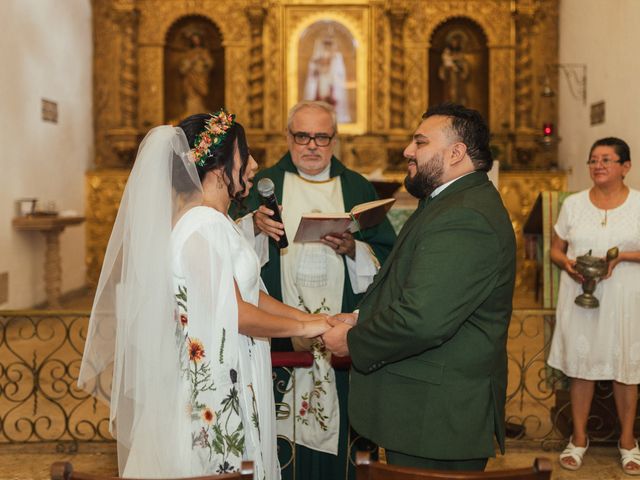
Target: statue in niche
[326, 76]
[195, 68]
[454, 68]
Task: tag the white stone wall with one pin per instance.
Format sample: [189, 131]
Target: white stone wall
[46, 53]
[605, 35]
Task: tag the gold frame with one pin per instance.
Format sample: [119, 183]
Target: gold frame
[359, 28]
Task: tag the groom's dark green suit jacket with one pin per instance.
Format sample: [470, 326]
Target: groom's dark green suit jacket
[429, 351]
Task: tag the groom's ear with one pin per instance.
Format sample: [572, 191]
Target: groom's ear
[458, 153]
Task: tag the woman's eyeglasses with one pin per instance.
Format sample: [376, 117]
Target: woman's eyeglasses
[604, 161]
[302, 138]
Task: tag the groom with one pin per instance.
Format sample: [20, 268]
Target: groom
[429, 347]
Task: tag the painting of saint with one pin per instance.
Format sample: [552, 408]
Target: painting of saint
[327, 68]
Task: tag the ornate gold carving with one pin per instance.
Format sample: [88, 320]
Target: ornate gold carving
[381, 71]
[104, 190]
[237, 100]
[524, 73]
[275, 105]
[124, 138]
[256, 17]
[397, 17]
[129, 83]
[519, 191]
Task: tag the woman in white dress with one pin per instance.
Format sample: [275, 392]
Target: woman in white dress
[180, 321]
[601, 343]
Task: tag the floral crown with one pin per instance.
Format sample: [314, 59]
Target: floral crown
[212, 136]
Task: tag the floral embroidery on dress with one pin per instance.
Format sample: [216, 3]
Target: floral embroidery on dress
[215, 428]
[255, 418]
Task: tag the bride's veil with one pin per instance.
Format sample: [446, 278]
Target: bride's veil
[131, 354]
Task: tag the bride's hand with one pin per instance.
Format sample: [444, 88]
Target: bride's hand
[308, 317]
[314, 327]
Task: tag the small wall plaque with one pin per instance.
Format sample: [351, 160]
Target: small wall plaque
[49, 111]
[597, 113]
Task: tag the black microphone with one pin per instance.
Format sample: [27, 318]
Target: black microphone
[266, 189]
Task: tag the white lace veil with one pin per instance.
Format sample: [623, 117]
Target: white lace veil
[131, 352]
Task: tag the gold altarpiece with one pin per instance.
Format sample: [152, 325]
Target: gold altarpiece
[250, 59]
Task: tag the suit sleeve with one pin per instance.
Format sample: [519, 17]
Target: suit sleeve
[454, 268]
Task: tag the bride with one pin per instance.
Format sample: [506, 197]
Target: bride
[180, 321]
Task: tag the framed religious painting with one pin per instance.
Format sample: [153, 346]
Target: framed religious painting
[327, 60]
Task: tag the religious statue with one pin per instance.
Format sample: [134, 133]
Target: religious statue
[326, 77]
[454, 69]
[195, 68]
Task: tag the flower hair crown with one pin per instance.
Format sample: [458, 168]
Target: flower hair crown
[212, 136]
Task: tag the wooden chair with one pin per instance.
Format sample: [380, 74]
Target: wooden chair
[368, 470]
[64, 471]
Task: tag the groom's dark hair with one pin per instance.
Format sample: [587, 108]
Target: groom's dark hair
[468, 127]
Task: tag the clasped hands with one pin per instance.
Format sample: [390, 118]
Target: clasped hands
[341, 243]
[334, 332]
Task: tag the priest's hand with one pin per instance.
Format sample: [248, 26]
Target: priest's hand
[342, 244]
[263, 223]
[335, 339]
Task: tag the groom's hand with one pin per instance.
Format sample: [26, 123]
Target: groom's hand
[335, 339]
[348, 318]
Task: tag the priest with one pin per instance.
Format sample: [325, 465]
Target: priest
[328, 277]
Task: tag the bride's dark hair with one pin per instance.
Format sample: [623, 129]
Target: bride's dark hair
[222, 155]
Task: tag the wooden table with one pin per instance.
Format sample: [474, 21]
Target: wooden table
[51, 226]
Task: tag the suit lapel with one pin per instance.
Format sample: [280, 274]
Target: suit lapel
[408, 226]
[468, 181]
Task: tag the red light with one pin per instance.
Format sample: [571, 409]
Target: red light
[547, 129]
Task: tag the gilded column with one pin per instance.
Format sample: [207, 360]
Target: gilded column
[397, 17]
[124, 137]
[256, 16]
[524, 72]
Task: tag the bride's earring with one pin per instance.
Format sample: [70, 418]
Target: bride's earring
[220, 183]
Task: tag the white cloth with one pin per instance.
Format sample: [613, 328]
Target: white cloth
[233, 379]
[312, 278]
[306, 272]
[601, 343]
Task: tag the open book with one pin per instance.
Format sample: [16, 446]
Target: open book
[314, 226]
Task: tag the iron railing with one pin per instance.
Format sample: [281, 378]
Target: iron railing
[41, 351]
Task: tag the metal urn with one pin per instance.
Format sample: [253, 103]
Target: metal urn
[592, 268]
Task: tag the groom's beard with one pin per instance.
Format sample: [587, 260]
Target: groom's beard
[427, 178]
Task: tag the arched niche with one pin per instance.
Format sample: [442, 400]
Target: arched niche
[194, 68]
[459, 65]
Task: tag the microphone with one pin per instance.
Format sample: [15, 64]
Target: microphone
[266, 189]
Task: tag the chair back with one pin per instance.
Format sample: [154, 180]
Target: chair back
[64, 471]
[368, 470]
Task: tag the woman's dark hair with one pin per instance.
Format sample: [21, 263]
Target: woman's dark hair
[619, 146]
[222, 155]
